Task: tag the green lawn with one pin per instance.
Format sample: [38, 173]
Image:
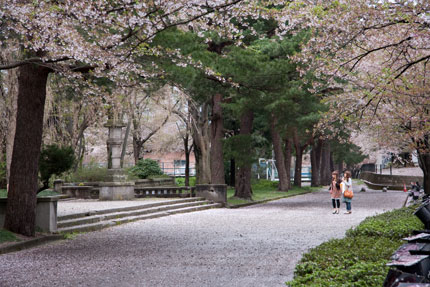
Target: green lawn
[48, 192]
[6, 236]
[267, 190]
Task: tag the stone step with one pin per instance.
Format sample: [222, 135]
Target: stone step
[137, 207]
[134, 212]
[112, 222]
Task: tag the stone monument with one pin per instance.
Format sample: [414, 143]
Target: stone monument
[115, 187]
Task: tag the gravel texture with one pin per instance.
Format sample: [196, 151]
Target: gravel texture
[253, 246]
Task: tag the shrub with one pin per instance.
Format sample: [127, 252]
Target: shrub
[89, 173]
[54, 160]
[145, 168]
[360, 258]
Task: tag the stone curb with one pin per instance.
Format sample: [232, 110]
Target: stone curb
[264, 201]
[30, 243]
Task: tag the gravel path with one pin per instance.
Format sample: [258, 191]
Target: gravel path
[253, 246]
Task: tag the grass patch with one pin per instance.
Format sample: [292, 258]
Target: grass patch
[357, 181]
[180, 181]
[266, 190]
[7, 236]
[360, 258]
[47, 192]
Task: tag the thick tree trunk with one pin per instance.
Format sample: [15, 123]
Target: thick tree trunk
[217, 134]
[12, 86]
[316, 163]
[287, 155]
[201, 141]
[279, 156]
[243, 176]
[326, 168]
[23, 180]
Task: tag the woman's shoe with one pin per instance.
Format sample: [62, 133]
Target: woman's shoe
[334, 211]
[348, 212]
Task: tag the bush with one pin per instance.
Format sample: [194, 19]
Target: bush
[181, 181]
[360, 258]
[54, 160]
[91, 173]
[146, 168]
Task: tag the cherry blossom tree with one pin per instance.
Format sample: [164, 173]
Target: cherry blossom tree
[377, 53]
[99, 37]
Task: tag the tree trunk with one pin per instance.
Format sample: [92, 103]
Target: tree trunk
[298, 167]
[201, 141]
[187, 151]
[125, 142]
[287, 156]
[299, 160]
[217, 134]
[12, 87]
[316, 163]
[137, 149]
[279, 156]
[424, 163]
[23, 180]
[232, 172]
[243, 176]
[326, 168]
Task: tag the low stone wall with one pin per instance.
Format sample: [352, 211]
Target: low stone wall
[81, 191]
[155, 182]
[166, 191]
[396, 182]
[46, 213]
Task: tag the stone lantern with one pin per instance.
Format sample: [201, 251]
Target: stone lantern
[115, 187]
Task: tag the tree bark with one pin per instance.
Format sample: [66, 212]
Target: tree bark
[424, 163]
[326, 168]
[243, 176]
[12, 87]
[279, 156]
[299, 160]
[232, 172]
[316, 163]
[201, 141]
[217, 134]
[288, 151]
[23, 180]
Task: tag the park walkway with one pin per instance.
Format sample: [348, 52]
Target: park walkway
[253, 246]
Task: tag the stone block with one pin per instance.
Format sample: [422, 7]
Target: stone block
[116, 191]
[46, 213]
[213, 192]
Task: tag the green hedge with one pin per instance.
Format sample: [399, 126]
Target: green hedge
[360, 258]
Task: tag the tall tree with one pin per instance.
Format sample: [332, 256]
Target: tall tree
[79, 36]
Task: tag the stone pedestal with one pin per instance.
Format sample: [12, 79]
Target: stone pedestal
[115, 187]
[46, 213]
[213, 192]
[116, 191]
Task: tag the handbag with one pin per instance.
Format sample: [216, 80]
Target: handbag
[348, 194]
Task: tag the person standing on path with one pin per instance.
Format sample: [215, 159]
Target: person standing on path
[335, 191]
[347, 185]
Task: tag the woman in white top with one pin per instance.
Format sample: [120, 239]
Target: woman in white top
[347, 184]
